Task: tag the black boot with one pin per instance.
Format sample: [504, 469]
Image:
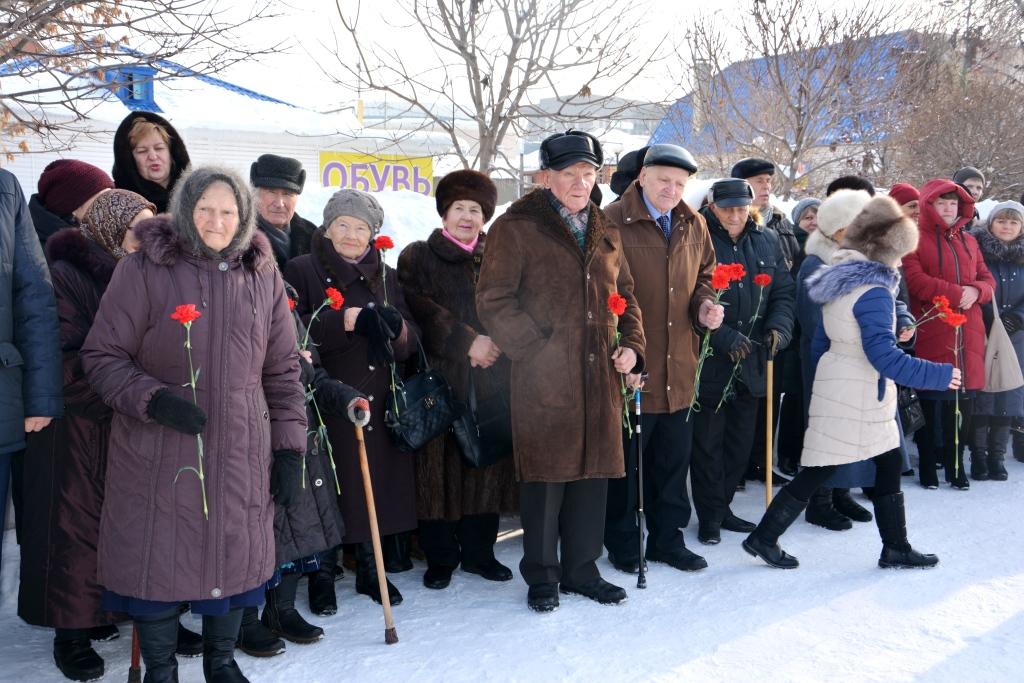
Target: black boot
[477, 535]
[366, 576]
[396, 552]
[891, 518]
[102, 634]
[190, 643]
[820, 511]
[956, 473]
[979, 453]
[219, 635]
[764, 541]
[158, 636]
[323, 601]
[74, 656]
[1017, 438]
[255, 639]
[845, 505]
[997, 441]
[281, 617]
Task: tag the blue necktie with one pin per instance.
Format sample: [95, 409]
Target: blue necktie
[665, 223]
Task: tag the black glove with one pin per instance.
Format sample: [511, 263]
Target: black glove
[333, 396]
[741, 348]
[1011, 321]
[307, 373]
[175, 412]
[378, 348]
[392, 320]
[286, 477]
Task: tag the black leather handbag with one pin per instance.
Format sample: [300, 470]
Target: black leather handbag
[911, 410]
[420, 408]
[484, 429]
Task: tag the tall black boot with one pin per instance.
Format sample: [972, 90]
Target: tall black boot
[1017, 437]
[255, 639]
[323, 601]
[979, 451]
[821, 512]
[477, 535]
[281, 617]
[158, 637]
[366, 576]
[891, 518]
[219, 635]
[74, 656]
[763, 542]
[396, 552]
[998, 436]
[846, 505]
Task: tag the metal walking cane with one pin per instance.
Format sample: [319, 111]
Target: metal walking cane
[641, 579]
[770, 423]
[390, 634]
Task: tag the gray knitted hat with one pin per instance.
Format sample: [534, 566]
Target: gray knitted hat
[356, 204]
[190, 188]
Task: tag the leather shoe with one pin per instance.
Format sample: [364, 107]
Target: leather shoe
[490, 569]
[543, 597]
[709, 534]
[597, 590]
[437, 577]
[629, 566]
[679, 557]
[734, 523]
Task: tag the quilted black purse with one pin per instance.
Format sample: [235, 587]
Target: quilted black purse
[911, 410]
[484, 430]
[420, 407]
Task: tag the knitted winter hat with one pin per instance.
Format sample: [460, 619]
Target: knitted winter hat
[467, 184]
[966, 173]
[66, 184]
[270, 170]
[108, 219]
[356, 204]
[803, 205]
[904, 193]
[882, 232]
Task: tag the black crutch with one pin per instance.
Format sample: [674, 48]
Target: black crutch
[641, 579]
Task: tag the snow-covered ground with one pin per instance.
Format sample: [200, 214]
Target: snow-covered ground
[836, 618]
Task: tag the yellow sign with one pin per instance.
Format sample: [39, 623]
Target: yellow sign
[374, 173]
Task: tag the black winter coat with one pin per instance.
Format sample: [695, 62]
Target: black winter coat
[66, 463]
[792, 250]
[288, 245]
[45, 221]
[759, 251]
[126, 172]
[30, 365]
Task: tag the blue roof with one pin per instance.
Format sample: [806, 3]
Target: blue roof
[164, 66]
[735, 88]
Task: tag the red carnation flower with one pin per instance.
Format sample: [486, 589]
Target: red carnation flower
[335, 298]
[941, 302]
[185, 314]
[954, 319]
[762, 279]
[291, 304]
[617, 304]
[383, 243]
[737, 271]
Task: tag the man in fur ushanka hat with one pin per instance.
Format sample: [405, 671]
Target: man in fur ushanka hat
[853, 404]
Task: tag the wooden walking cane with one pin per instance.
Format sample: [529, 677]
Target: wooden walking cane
[134, 670]
[769, 425]
[390, 634]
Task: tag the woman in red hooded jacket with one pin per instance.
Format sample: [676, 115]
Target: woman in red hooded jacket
[947, 263]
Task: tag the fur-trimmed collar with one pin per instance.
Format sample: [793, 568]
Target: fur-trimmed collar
[446, 250]
[994, 248]
[71, 246]
[162, 245]
[820, 245]
[536, 206]
[831, 282]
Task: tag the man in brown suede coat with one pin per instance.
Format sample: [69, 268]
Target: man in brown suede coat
[552, 262]
[671, 258]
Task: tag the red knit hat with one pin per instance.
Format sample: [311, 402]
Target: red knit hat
[904, 193]
[66, 184]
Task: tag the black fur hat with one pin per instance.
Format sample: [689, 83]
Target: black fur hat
[271, 170]
[752, 166]
[466, 184]
[882, 232]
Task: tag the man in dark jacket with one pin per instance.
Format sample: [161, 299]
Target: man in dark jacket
[278, 182]
[31, 383]
[758, 322]
[671, 258]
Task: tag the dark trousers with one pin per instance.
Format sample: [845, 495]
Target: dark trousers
[469, 540]
[780, 368]
[721, 450]
[936, 443]
[888, 468]
[667, 443]
[570, 514]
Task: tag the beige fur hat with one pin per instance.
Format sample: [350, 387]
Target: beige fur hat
[882, 232]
